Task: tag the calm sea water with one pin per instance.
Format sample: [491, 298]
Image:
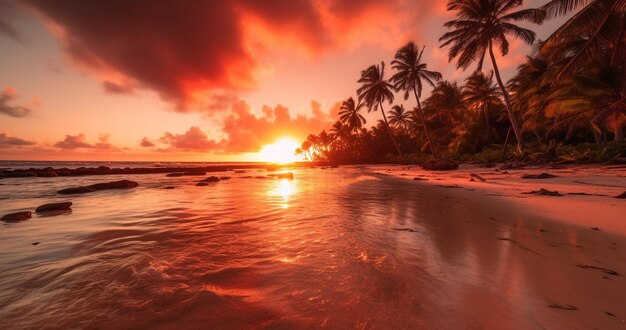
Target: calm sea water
[25, 164]
[317, 251]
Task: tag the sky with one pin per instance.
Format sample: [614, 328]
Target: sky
[199, 80]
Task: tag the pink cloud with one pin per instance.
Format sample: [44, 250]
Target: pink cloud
[8, 95]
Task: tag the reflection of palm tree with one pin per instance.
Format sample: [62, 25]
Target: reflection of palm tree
[349, 114]
[398, 117]
[410, 73]
[479, 26]
[481, 93]
[374, 91]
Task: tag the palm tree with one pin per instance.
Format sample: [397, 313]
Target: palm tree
[374, 91]
[410, 73]
[399, 117]
[481, 24]
[601, 22]
[481, 93]
[306, 148]
[445, 102]
[349, 114]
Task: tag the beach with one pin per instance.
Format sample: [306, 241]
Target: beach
[346, 247]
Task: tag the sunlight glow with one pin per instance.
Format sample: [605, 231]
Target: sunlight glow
[283, 151]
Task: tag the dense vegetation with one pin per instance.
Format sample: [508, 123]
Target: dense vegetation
[566, 102]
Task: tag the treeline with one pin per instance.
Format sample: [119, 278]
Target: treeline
[567, 100]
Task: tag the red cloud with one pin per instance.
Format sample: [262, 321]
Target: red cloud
[8, 95]
[246, 131]
[187, 48]
[192, 140]
[146, 143]
[7, 141]
[72, 142]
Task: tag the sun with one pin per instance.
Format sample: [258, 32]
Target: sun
[282, 151]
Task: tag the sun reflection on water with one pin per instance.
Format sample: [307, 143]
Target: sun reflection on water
[283, 188]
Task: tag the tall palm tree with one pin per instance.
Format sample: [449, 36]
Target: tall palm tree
[350, 116]
[445, 102]
[374, 91]
[410, 73]
[481, 93]
[483, 24]
[399, 117]
[602, 22]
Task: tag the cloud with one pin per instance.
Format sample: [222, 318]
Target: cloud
[146, 143]
[190, 50]
[73, 142]
[124, 88]
[10, 141]
[244, 131]
[192, 140]
[7, 96]
[7, 14]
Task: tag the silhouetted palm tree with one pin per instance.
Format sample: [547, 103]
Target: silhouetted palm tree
[602, 22]
[446, 102]
[481, 93]
[374, 91]
[349, 114]
[480, 25]
[399, 117]
[410, 73]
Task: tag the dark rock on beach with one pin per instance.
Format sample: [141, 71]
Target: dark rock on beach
[47, 174]
[476, 177]
[19, 174]
[16, 217]
[224, 178]
[543, 192]
[539, 176]
[622, 195]
[287, 175]
[122, 184]
[54, 207]
[175, 174]
[440, 165]
[195, 172]
[208, 180]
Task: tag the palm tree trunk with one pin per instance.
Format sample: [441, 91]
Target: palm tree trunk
[487, 123]
[395, 144]
[507, 101]
[421, 114]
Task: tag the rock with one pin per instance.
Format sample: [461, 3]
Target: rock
[287, 175]
[419, 179]
[224, 178]
[543, 192]
[440, 165]
[211, 179]
[539, 176]
[53, 207]
[47, 174]
[169, 187]
[19, 174]
[104, 168]
[202, 184]
[16, 217]
[195, 172]
[474, 177]
[595, 228]
[175, 174]
[240, 171]
[122, 184]
[622, 195]
[34, 243]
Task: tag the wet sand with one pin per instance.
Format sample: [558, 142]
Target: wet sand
[348, 247]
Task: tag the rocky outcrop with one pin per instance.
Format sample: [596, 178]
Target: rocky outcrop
[54, 207]
[16, 217]
[208, 180]
[440, 165]
[539, 176]
[122, 184]
[175, 174]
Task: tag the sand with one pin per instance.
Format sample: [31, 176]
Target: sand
[570, 248]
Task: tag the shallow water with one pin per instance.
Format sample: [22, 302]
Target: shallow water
[319, 250]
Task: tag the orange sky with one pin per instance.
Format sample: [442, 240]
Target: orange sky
[195, 81]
